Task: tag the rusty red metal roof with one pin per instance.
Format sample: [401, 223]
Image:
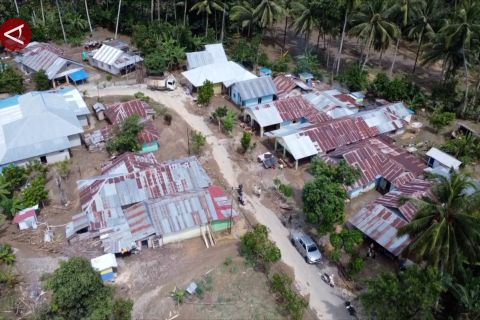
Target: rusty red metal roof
[24, 214]
[149, 133]
[337, 133]
[294, 108]
[381, 225]
[284, 84]
[117, 113]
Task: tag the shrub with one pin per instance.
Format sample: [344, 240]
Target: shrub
[257, 248]
[167, 118]
[205, 93]
[179, 295]
[246, 141]
[355, 265]
[109, 77]
[141, 96]
[354, 78]
[198, 141]
[291, 301]
[41, 80]
[229, 121]
[439, 119]
[6, 254]
[286, 190]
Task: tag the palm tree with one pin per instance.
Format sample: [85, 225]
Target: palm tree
[16, 7]
[463, 33]
[243, 13]
[349, 6]
[206, 6]
[224, 13]
[371, 24]
[43, 12]
[438, 50]
[267, 12]
[446, 229]
[287, 5]
[403, 12]
[88, 16]
[306, 18]
[61, 22]
[118, 17]
[425, 15]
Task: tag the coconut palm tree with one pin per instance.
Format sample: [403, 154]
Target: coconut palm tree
[88, 16]
[349, 6]
[426, 14]
[403, 12]
[61, 21]
[287, 5]
[43, 12]
[206, 6]
[16, 7]
[463, 33]
[224, 13]
[372, 24]
[243, 13]
[118, 17]
[445, 231]
[267, 12]
[305, 18]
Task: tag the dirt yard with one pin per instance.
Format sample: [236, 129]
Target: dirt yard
[233, 291]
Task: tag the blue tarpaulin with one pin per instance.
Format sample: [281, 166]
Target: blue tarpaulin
[108, 276]
[78, 75]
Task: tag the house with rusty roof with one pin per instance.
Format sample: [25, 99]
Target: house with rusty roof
[149, 138]
[38, 56]
[323, 131]
[137, 201]
[289, 86]
[117, 113]
[280, 113]
[383, 165]
[381, 219]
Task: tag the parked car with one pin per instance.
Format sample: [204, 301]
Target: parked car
[305, 245]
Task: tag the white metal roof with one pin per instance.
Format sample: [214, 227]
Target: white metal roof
[104, 262]
[444, 158]
[42, 123]
[213, 53]
[107, 54]
[227, 73]
[265, 115]
[299, 145]
[256, 88]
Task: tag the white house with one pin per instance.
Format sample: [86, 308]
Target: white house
[38, 126]
[27, 218]
[437, 158]
[114, 60]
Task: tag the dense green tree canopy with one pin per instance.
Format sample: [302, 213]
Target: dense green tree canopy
[408, 295]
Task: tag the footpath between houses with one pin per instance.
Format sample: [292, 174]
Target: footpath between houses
[326, 302]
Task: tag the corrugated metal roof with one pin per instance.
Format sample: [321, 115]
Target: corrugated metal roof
[198, 59]
[386, 118]
[213, 53]
[300, 146]
[376, 158]
[444, 158]
[41, 125]
[107, 54]
[381, 225]
[331, 135]
[255, 88]
[227, 73]
[160, 199]
[25, 214]
[117, 113]
[41, 56]
[284, 84]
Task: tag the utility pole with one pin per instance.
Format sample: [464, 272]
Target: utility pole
[188, 141]
[231, 211]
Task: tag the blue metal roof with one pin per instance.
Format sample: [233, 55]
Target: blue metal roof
[9, 102]
[78, 75]
[266, 71]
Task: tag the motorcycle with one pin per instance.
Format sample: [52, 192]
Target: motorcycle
[350, 308]
[328, 279]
